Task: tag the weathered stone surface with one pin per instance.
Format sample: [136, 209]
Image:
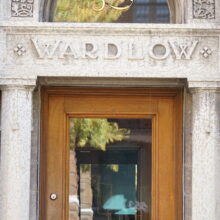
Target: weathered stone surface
[15, 152]
[182, 51]
[202, 11]
[112, 51]
[205, 137]
[22, 8]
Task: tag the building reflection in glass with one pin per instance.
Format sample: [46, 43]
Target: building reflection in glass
[112, 183]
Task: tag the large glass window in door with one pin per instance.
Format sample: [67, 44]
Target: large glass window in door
[110, 169]
[119, 11]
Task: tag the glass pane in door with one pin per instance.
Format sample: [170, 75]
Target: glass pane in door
[110, 169]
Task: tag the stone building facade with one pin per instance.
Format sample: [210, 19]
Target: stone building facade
[33, 54]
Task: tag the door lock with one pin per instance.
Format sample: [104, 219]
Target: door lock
[53, 196]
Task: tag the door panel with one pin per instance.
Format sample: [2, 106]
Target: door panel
[163, 107]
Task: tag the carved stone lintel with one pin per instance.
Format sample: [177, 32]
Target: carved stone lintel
[204, 9]
[22, 8]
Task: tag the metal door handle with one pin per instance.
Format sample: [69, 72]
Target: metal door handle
[53, 196]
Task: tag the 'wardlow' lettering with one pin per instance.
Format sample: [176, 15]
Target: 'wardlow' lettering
[59, 49]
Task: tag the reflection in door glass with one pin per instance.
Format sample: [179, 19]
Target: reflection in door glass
[110, 169]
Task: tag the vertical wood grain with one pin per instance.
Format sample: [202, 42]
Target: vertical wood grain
[163, 106]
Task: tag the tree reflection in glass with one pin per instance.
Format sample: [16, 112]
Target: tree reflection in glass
[120, 11]
[88, 10]
[110, 169]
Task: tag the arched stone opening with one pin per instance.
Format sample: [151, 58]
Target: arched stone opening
[175, 9]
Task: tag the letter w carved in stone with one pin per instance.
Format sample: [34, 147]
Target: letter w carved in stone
[46, 50]
[183, 51]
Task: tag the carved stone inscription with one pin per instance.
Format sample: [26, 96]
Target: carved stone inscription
[60, 49]
[22, 8]
[101, 55]
[204, 9]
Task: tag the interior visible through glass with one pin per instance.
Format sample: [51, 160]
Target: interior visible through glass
[120, 11]
[110, 169]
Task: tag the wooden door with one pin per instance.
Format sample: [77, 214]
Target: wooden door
[163, 107]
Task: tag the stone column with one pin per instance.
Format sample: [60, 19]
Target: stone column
[205, 162]
[16, 152]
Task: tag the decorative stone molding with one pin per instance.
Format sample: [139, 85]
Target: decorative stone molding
[17, 83]
[206, 52]
[22, 8]
[204, 9]
[19, 50]
[104, 50]
[71, 55]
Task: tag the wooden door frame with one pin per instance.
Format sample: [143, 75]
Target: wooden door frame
[173, 93]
